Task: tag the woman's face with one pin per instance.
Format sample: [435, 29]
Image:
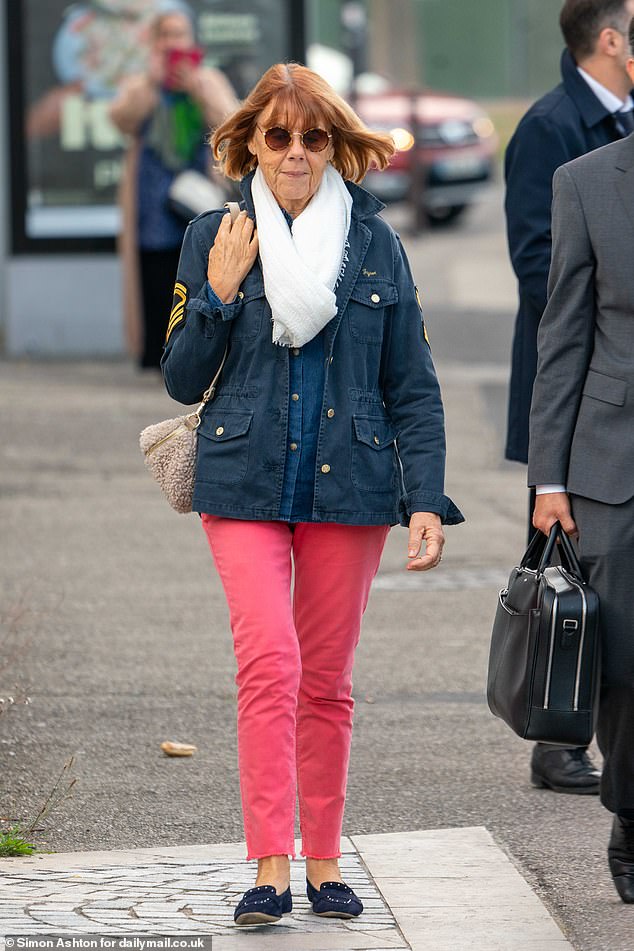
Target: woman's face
[174, 32]
[295, 173]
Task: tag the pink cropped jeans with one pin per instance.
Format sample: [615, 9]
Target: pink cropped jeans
[295, 652]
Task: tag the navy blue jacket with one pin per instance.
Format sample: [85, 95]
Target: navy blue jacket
[564, 124]
[381, 442]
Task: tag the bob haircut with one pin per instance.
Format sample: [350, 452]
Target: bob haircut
[300, 99]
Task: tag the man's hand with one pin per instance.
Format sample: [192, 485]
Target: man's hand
[425, 527]
[232, 256]
[553, 507]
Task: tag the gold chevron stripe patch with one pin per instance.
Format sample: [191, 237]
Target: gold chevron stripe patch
[179, 304]
[420, 307]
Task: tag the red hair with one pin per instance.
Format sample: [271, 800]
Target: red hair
[300, 96]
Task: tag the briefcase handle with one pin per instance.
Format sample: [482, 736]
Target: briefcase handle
[539, 553]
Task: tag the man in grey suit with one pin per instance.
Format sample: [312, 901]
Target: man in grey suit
[581, 450]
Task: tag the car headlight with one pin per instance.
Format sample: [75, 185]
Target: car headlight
[403, 139]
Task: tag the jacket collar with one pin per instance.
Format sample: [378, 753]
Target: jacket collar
[592, 111]
[364, 205]
[624, 154]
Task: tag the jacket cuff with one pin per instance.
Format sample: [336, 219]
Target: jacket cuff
[442, 505]
[209, 304]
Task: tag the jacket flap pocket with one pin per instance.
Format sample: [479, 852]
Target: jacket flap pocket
[375, 293]
[221, 424]
[374, 431]
[605, 388]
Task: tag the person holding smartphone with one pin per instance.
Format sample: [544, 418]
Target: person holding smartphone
[168, 111]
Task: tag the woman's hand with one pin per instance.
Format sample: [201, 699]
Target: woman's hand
[425, 527]
[232, 256]
[185, 77]
[553, 507]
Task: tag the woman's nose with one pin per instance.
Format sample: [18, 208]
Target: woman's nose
[296, 148]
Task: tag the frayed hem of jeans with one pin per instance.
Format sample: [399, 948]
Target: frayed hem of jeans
[319, 858]
[265, 855]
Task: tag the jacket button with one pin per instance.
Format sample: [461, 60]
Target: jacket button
[293, 446]
[375, 298]
[325, 468]
[330, 413]
[220, 430]
[295, 351]
[295, 397]
[241, 295]
[377, 440]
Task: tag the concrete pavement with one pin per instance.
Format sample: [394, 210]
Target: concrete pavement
[446, 890]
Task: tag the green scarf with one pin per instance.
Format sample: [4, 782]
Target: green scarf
[176, 131]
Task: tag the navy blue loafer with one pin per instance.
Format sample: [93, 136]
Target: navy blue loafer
[262, 905]
[334, 900]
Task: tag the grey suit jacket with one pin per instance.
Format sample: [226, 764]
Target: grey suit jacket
[582, 412]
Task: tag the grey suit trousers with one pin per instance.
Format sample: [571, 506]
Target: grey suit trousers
[606, 550]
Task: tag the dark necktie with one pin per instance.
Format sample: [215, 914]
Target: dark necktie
[623, 122]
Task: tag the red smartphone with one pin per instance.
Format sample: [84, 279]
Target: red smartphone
[192, 57]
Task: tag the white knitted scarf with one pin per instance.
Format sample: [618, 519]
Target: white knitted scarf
[301, 267]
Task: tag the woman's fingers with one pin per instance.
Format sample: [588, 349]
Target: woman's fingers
[424, 527]
[232, 255]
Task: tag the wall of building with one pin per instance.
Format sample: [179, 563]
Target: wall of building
[484, 49]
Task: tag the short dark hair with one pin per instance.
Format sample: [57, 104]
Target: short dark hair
[581, 22]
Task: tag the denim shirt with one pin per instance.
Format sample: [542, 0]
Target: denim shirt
[380, 442]
[306, 376]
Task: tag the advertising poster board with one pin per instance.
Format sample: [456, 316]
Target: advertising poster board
[65, 61]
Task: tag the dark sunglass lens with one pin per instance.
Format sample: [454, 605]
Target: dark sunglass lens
[316, 140]
[277, 138]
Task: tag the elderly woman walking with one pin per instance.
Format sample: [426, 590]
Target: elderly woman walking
[327, 428]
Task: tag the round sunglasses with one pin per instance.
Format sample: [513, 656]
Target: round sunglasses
[278, 138]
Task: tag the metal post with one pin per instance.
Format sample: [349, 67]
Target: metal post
[418, 170]
[354, 21]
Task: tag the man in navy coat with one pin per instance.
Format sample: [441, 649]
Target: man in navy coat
[591, 107]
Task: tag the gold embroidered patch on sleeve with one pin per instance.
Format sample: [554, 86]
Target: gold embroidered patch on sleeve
[420, 307]
[178, 308]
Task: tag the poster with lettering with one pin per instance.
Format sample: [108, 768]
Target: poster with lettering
[73, 55]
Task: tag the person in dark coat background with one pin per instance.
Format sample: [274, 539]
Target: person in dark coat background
[591, 107]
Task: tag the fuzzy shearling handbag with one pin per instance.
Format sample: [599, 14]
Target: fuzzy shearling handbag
[169, 447]
[169, 451]
[544, 663]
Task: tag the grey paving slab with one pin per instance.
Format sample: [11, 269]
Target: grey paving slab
[455, 889]
[435, 890]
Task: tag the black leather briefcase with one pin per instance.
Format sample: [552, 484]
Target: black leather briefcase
[544, 662]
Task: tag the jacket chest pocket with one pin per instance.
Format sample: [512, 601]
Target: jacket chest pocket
[223, 445]
[249, 321]
[366, 310]
[373, 454]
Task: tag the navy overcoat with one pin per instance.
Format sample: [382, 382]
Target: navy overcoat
[564, 124]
